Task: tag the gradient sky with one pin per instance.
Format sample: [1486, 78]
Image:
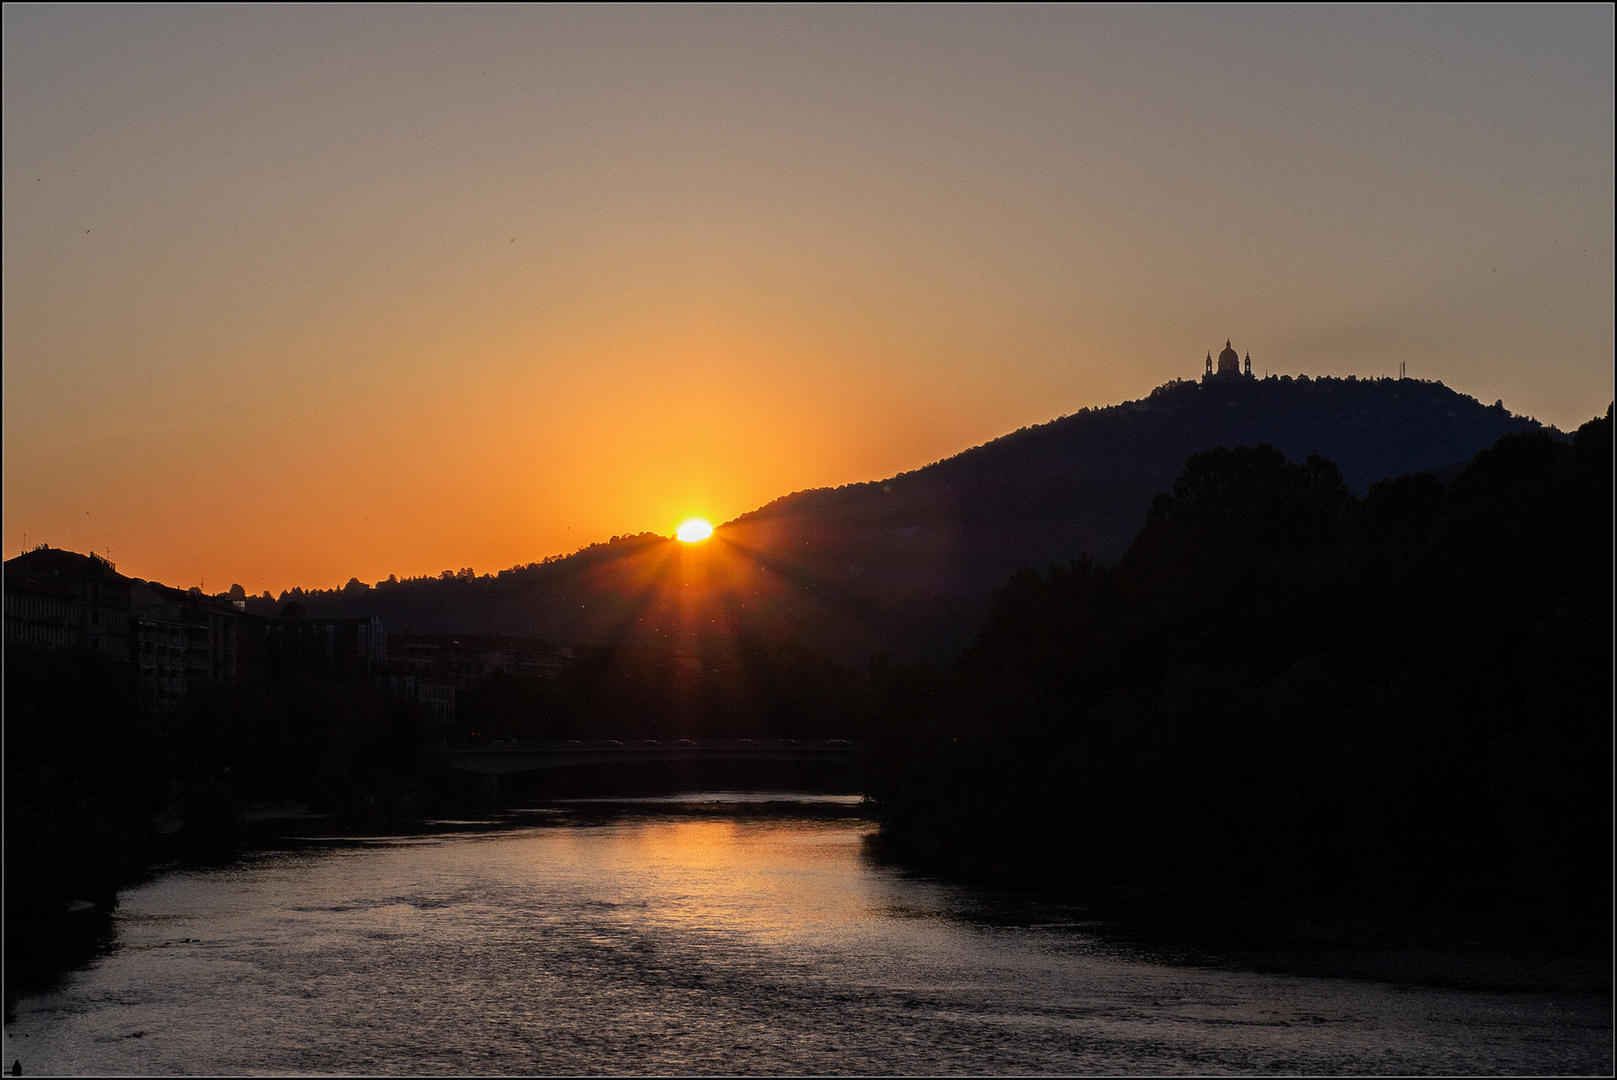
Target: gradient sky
[298, 294]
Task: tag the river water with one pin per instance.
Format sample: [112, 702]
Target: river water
[702, 935]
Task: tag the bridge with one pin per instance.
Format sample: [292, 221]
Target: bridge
[504, 758]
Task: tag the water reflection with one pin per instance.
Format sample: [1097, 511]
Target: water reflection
[699, 935]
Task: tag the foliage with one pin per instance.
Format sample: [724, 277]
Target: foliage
[89, 770]
[647, 689]
[346, 749]
[84, 776]
[1282, 692]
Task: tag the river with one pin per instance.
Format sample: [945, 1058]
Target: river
[709, 934]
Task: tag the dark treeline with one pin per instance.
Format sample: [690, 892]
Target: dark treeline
[1285, 699]
[346, 749]
[456, 600]
[83, 780]
[751, 688]
[97, 781]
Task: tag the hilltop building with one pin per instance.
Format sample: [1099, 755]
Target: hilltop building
[1229, 365]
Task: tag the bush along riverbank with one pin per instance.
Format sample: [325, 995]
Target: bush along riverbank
[100, 789]
[1286, 704]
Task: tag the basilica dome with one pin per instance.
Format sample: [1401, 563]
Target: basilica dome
[1229, 361]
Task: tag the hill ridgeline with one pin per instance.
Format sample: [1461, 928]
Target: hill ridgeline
[907, 565]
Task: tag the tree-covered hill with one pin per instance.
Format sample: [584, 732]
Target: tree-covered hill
[1286, 696]
[906, 565]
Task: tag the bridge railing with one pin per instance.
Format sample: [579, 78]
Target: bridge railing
[513, 756]
[647, 744]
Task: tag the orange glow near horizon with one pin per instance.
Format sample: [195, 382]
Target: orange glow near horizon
[694, 530]
[699, 598]
[297, 297]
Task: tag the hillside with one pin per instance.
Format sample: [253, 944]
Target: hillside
[907, 565]
[1283, 700]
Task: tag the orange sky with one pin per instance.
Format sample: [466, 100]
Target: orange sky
[298, 295]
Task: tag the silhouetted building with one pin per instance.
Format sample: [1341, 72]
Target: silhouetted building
[1229, 365]
[63, 600]
[437, 696]
[432, 668]
[413, 654]
[347, 649]
[40, 610]
[183, 638]
[356, 650]
[178, 639]
[462, 659]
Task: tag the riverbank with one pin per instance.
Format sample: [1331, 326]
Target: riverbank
[1470, 948]
[1459, 953]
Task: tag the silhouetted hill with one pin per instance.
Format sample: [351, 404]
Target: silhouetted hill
[907, 565]
[1282, 698]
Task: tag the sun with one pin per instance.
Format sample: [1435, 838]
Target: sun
[694, 531]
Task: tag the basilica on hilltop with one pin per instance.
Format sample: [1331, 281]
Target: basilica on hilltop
[1229, 365]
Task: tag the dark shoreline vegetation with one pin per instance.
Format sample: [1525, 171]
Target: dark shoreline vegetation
[1282, 708]
[101, 789]
[1283, 702]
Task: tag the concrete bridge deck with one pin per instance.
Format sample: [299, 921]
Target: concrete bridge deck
[502, 758]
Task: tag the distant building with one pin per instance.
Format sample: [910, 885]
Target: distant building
[183, 638]
[63, 600]
[178, 639]
[348, 649]
[438, 697]
[361, 650]
[1229, 365]
[40, 610]
[433, 668]
[462, 659]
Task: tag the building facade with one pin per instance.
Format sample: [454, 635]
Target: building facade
[40, 611]
[179, 639]
[184, 638]
[434, 668]
[63, 600]
[462, 659]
